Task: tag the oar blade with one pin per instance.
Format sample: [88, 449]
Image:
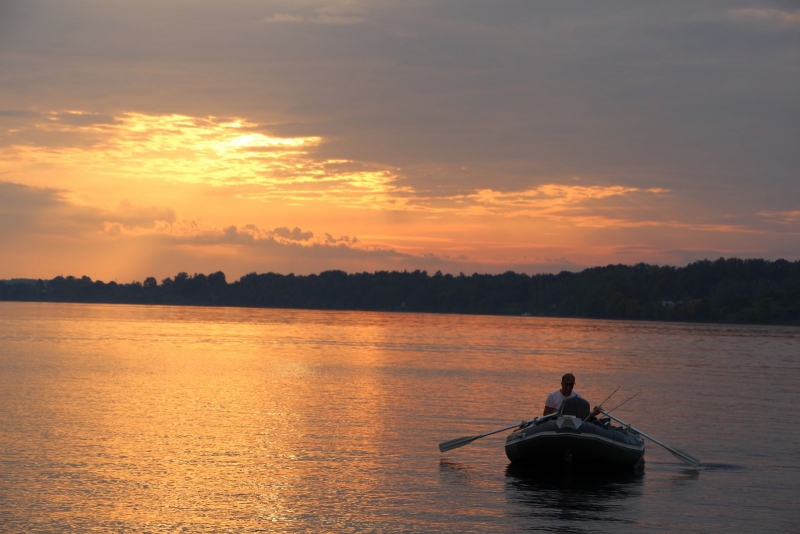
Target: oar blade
[451, 444]
[460, 442]
[684, 457]
[677, 453]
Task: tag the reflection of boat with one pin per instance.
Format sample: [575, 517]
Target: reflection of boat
[575, 501]
[572, 437]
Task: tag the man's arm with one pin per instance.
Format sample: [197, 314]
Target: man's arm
[549, 405]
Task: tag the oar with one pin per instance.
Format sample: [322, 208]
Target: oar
[460, 442]
[677, 453]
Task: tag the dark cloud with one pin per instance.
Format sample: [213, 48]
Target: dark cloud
[295, 234]
[19, 198]
[18, 113]
[27, 211]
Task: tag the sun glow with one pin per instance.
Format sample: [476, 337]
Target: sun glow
[219, 153]
[254, 164]
[219, 187]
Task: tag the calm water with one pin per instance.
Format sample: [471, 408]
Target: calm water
[166, 418]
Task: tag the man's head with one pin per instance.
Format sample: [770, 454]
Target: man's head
[567, 383]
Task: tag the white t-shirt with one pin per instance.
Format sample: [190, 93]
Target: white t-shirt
[555, 399]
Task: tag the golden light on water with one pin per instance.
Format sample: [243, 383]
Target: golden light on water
[166, 418]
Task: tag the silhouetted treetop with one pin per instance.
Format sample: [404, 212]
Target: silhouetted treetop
[725, 290]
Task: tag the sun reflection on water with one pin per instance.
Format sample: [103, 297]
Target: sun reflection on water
[166, 418]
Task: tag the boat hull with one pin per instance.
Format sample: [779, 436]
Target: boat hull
[595, 443]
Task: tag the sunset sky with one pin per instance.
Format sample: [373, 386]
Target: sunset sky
[151, 137]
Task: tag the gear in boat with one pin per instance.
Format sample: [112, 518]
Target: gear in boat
[574, 436]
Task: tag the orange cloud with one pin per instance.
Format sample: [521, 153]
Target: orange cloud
[254, 164]
[202, 188]
[767, 15]
[783, 217]
[542, 200]
[211, 151]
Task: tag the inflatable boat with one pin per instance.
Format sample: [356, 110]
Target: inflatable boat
[574, 436]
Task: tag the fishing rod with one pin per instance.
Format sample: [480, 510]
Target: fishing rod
[601, 404]
[618, 405]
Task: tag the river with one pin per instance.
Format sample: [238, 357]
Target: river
[146, 418]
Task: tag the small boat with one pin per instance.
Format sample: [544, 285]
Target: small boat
[573, 437]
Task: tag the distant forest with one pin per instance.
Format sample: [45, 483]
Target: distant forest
[725, 291]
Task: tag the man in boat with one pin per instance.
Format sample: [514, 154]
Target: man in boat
[554, 399]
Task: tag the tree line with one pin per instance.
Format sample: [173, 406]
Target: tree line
[726, 291]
